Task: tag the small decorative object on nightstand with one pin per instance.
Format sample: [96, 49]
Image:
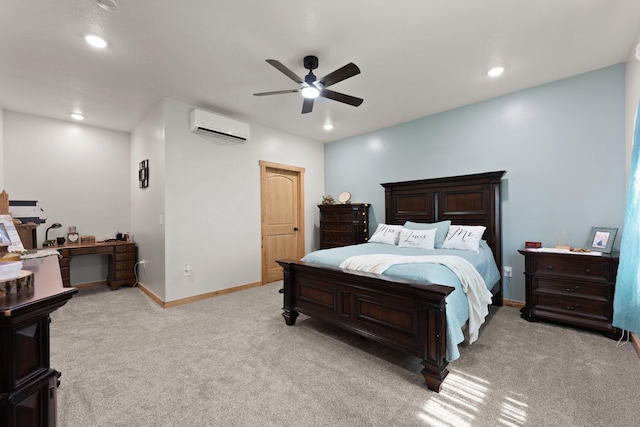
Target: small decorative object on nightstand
[343, 224]
[571, 288]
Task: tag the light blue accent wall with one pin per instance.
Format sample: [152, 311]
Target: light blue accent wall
[562, 145]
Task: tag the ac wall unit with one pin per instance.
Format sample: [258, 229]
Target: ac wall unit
[216, 125]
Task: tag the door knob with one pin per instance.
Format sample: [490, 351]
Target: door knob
[295, 228]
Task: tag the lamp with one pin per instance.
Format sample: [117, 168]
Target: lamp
[48, 242]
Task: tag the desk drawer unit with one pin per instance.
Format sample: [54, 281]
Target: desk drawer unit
[571, 289]
[122, 260]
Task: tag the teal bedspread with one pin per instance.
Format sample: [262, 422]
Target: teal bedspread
[457, 304]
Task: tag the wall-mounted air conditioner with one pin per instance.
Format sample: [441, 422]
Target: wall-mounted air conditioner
[215, 125]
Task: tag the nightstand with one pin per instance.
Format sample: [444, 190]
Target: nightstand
[572, 289]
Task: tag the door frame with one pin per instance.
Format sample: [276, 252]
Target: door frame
[264, 165]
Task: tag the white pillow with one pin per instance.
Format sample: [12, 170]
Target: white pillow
[464, 237]
[423, 239]
[387, 234]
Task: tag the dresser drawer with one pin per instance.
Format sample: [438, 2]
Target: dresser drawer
[336, 227]
[565, 286]
[342, 216]
[337, 239]
[586, 269]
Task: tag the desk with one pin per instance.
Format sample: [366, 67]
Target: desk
[28, 385]
[122, 260]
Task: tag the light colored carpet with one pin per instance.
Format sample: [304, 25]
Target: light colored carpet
[232, 361]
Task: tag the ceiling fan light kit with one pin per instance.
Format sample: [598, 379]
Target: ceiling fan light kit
[312, 87]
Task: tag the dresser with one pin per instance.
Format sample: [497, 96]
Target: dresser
[122, 260]
[344, 224]
[28, 385]
[571, 289]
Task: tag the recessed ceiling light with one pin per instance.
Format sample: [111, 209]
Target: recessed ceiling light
[96, 41]
[494, 72]
[108, 4]
[328, 126]
[77, 116]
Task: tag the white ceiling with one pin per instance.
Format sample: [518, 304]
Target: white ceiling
[418, 57]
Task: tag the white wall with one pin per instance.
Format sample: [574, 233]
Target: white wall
[212, 201]
[147, 204]
[207, 191]
[79, 174]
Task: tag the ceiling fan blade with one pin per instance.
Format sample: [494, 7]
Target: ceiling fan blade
[284, 70]
[341, 97]
[339, 75]
[307, 105]
[277, 92]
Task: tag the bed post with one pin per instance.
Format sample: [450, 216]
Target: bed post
[289, 315]
[434, 362]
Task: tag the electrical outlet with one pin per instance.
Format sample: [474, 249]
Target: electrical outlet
[144, 263]
[187, 269]
[507, 271]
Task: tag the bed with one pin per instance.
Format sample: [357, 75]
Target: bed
[405, 314]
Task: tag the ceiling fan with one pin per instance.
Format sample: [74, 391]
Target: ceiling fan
[312, 87]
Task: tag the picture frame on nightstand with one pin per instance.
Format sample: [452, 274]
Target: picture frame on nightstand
[601, 239]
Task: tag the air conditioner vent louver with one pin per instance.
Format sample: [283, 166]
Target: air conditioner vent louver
[219, 126]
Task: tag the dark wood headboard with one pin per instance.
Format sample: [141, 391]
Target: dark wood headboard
[464, 199]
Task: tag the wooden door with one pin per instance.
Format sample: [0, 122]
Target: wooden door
[282, 217]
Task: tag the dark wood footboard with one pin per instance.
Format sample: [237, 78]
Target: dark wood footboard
[406, 315]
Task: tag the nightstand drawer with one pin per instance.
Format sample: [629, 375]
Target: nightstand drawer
[568, 287]
[595, 308]
[587, 269]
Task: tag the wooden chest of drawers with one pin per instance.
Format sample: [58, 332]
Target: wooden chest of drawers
[572, 289]
[342, 225]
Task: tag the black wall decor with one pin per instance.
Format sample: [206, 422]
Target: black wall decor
[143, 173]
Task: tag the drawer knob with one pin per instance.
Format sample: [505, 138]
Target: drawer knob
[588, 271]
[549, 267]
[575, 288]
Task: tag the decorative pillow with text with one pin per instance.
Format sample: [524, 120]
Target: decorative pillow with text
[464, 237]
[442, 228]
[423, 239]
[387, 234]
